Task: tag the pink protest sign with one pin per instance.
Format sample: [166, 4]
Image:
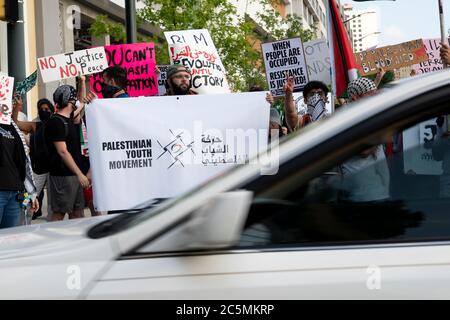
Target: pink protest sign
[6, 93]
[434, 62]
[138, 59]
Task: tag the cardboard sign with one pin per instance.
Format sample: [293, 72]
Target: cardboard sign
[195, 49]
[318, 61]
[139, 60]
[434, 62]
[6, 93]
[283, 58]
[391, 57]
[162, 76]
[26, 85]
[156, 155]
[71, 64]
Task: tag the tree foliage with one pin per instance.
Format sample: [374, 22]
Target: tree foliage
[234, 36]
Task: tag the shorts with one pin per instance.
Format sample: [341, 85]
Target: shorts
[66, 194]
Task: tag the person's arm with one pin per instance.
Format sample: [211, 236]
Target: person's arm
[445, 54]
[292, 118]
[25, 126]
[81, 87]
[61, 149]
[379, 77]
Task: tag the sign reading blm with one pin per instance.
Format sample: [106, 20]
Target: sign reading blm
[282, 59]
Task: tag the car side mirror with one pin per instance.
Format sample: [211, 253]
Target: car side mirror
[216, 224]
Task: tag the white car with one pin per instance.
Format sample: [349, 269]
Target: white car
[335, 222]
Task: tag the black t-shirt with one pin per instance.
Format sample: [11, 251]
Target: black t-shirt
[55, 131]
[10, 147]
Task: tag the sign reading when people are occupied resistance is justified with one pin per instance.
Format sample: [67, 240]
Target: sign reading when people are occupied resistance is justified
[72, 64]
[196, 50]
[391, 57]
[434, 62]
[6, 93]
[285, 58]
[156, 155]
[138, 59]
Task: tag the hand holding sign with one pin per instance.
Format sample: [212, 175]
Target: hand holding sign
[289, 85]
[445, 53]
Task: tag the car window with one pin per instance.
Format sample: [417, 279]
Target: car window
[398, 190]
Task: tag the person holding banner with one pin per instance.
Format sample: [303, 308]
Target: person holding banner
[66, 181]
[17, 185]
[315, 95]
[179, 81]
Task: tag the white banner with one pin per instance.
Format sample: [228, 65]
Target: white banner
[195, 49]
[6, 93]
[158, 147]
[162, 76]
[318, 61]
[282, 58]
[418, 159]
[72, 64]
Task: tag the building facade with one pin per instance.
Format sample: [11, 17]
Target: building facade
[364, 27]
[312, 12]
[50, 27]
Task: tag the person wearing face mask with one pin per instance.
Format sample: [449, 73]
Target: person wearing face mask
[315, 95]
[45, 110]
[66, 180]
[114, 83]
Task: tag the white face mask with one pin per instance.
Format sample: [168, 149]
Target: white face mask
[316, 107]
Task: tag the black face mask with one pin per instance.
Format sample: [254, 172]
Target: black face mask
[44, 115]
[109, 91]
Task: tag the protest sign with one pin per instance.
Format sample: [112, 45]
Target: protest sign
[195, 49]
[283, 58]
[138, 59]
[434, 62]
[318, 61]
[6, 94]
[71, 64]
[158, 155]
[391, 57]
[26, 85]
[162, 76]
[417, 154]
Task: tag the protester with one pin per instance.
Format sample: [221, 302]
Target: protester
[178, 82]
[16, 175]
[84, 150]
[66, 181]
[275, 127]
[45, 110]
[315, 95]
[365, 177]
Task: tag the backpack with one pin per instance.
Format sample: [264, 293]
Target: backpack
[41, 157]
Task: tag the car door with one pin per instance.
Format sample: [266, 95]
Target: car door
[321, 228]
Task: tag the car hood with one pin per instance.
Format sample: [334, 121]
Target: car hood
[44, 238]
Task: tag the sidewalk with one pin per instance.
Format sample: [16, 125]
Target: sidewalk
[43, 218]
